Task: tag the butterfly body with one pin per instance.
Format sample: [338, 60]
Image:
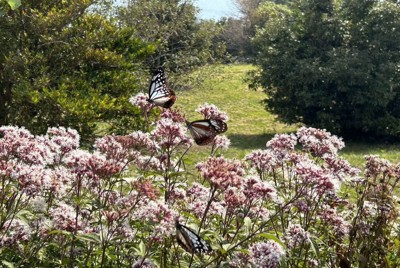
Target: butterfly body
[204, 131]
[159, 93]
[190, 241]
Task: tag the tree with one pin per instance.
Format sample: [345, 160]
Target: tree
[63, 63]
[181, 42]
[247, 27]
[234, 36]
[333, 64]
[239, 31]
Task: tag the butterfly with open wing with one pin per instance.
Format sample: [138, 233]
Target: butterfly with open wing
[159, 93]
[190, 241]
[204, 131]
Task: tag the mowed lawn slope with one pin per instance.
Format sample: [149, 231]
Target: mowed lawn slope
[250, 126]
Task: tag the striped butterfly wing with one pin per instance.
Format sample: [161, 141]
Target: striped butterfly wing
[159, 93]
[204, 131]
[190, 241]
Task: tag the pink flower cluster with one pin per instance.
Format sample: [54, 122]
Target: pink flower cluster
[146, 189]
[247, 195]
[197, 198]
[16, 231]
[281, 157]
[376, 166]
[282, 144]
[234, 198]
[240, 259]
[319, 142]
[159, 216]
[32, 178]
[340, 168]
[266, 254]
[35, 162]
[221, 142]
[125, 147]
[174, 115]
[210, 111]
[317, 177]
[296, 236]
[144, 263]
[92, 167]
[133, 148]
[140, 101]
[170, 134]
[63, 140]
[222, 173]
[263, 160]
[18, 143]
[254, 189]
[65, 217]
[331, 218]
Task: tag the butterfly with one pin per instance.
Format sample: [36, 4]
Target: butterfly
[190, 241]
[204, 131]
[159, 93]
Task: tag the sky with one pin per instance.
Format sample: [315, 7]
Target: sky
[210, 9]
[215, 9]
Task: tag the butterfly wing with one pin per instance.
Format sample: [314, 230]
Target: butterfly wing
[219, 125]
[204, 131]
[190, 241]
[159, 93]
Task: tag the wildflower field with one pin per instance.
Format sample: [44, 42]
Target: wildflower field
[294, 202]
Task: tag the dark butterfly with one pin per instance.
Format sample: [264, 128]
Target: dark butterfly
[190, 241]
[159, 93]
[204, 131]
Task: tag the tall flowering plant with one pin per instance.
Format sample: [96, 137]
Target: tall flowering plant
[296, 203]
[374, 226]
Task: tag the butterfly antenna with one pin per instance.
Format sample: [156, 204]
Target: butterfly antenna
[187, 123]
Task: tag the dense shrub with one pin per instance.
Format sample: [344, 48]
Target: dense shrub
[66, 63]
[116, 206]
[333, 64]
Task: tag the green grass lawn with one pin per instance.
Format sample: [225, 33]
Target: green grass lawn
[249, 125]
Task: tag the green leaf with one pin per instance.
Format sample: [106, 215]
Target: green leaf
[141, 249]
[314, 247]
[61, 232]
[273, 237]
[24, 215]
[226, 248]
[14, 4]
[94, 238]
[247, 224]
[8, 264]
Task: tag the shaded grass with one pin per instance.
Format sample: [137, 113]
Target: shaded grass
[354, 152]
[250, 126]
